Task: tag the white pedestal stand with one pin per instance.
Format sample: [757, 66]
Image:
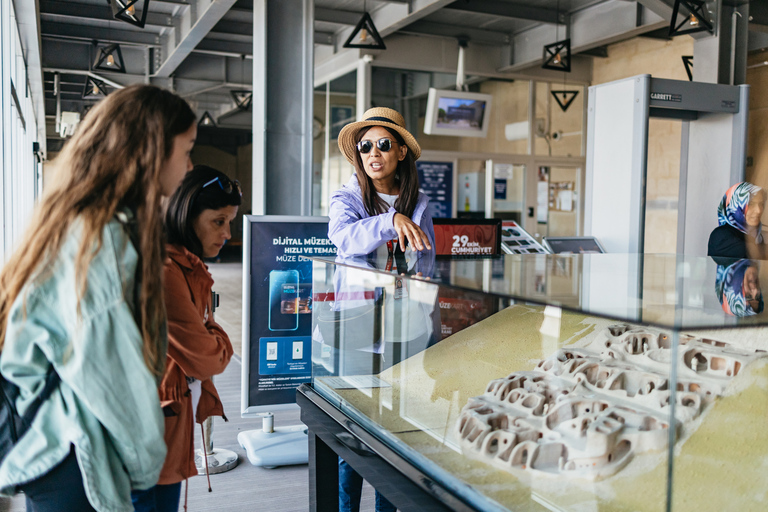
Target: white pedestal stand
[275, 446]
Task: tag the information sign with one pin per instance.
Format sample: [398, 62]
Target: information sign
[436, 182]
[277, 307]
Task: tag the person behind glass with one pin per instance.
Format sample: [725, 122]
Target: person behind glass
[197, 225]
[380, 205]
[81, 294]
[738, 287]
[739, 215]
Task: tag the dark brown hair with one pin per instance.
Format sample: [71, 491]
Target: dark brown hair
[191, 199]
[113, 161]
[405, 174]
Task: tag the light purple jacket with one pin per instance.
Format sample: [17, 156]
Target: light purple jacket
[355, 233]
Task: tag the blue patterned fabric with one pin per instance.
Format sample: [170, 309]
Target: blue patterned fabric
[732, 208]
[729, 288]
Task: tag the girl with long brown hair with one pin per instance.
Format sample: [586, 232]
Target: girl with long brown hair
[82, 296]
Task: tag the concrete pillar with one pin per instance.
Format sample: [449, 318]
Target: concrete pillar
[283, 36]
[721, 58]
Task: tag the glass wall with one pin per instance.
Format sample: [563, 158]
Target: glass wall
[20, 170]
[335, 106]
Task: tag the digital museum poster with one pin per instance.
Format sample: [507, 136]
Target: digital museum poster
[281, 304]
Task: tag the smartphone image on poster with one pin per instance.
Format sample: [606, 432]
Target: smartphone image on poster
[278, 280]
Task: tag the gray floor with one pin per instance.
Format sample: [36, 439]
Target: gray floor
[245, 488]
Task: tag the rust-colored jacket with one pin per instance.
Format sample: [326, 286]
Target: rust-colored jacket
[197, 347]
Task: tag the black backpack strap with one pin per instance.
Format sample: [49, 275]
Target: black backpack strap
[51, 382]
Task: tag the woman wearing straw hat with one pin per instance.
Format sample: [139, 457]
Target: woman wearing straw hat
[378, 209]
[381, 203]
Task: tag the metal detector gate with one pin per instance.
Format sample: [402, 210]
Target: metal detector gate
[712, 156]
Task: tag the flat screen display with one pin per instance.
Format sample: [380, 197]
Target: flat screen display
[457, 113]
[574, 245]
[463, 114]
[467, 237]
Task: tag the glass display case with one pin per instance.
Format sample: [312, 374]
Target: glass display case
[541, 382]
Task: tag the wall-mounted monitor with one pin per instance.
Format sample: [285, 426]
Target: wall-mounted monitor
[456, 113]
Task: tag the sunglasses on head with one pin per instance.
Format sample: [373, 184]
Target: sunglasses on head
[384, 145]
[226, 185]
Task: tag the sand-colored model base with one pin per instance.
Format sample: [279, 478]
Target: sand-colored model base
[584, 412]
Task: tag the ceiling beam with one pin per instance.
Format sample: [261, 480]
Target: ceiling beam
[324, 38]
[518, 11]
[223, 46]
[395, 16]
[422, 27]
[67, 10]
[337, 16]
[189, 30]
[600, 25]
[86, 33]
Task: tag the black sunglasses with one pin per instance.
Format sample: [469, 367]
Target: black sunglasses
[365, 146]
[227, 187]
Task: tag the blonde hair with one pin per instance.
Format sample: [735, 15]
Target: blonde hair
[113, 161]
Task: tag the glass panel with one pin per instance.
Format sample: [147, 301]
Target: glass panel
[341, 110]
[471, 189]
[559, 132]
[564, 201]
[508, 191]
[537, 406]
[690, 290]
[319, 142]
[662, 184]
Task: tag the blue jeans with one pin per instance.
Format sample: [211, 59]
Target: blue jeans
[160, 498]
[350, 489]
[59, 490]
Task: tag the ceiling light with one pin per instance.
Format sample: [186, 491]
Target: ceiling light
[557, 56]
[365, 35]
[94, 88]
[696, 21]
[127, 11]
[206, 120]
[109, 58]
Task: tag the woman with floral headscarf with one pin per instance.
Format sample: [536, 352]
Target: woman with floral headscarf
[738, 288]
[740, 223]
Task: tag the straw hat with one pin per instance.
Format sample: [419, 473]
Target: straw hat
[378, 116]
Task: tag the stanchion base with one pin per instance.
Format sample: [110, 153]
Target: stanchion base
[283, 447]
[218, 462]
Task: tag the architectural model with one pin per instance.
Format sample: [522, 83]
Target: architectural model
[585, 411]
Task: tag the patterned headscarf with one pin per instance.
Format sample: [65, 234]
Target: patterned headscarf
[731, 209]
[728, 286]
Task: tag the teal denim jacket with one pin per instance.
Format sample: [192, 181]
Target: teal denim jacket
[107, 404]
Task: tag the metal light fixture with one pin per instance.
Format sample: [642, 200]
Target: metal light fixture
[557, 56]
[206, 120]
[688, 63]
[109, 58]
[242, 99]
[94, 88]
[365, 35]
[564, 98]
[126, 10]
[696, 21]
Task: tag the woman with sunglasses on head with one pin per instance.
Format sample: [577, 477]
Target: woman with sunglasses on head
[379, 209]
[81, 302]
[197, 225]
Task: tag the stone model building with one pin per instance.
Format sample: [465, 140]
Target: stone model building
[585, 411]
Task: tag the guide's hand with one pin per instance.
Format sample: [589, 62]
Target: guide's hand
[406, 228]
